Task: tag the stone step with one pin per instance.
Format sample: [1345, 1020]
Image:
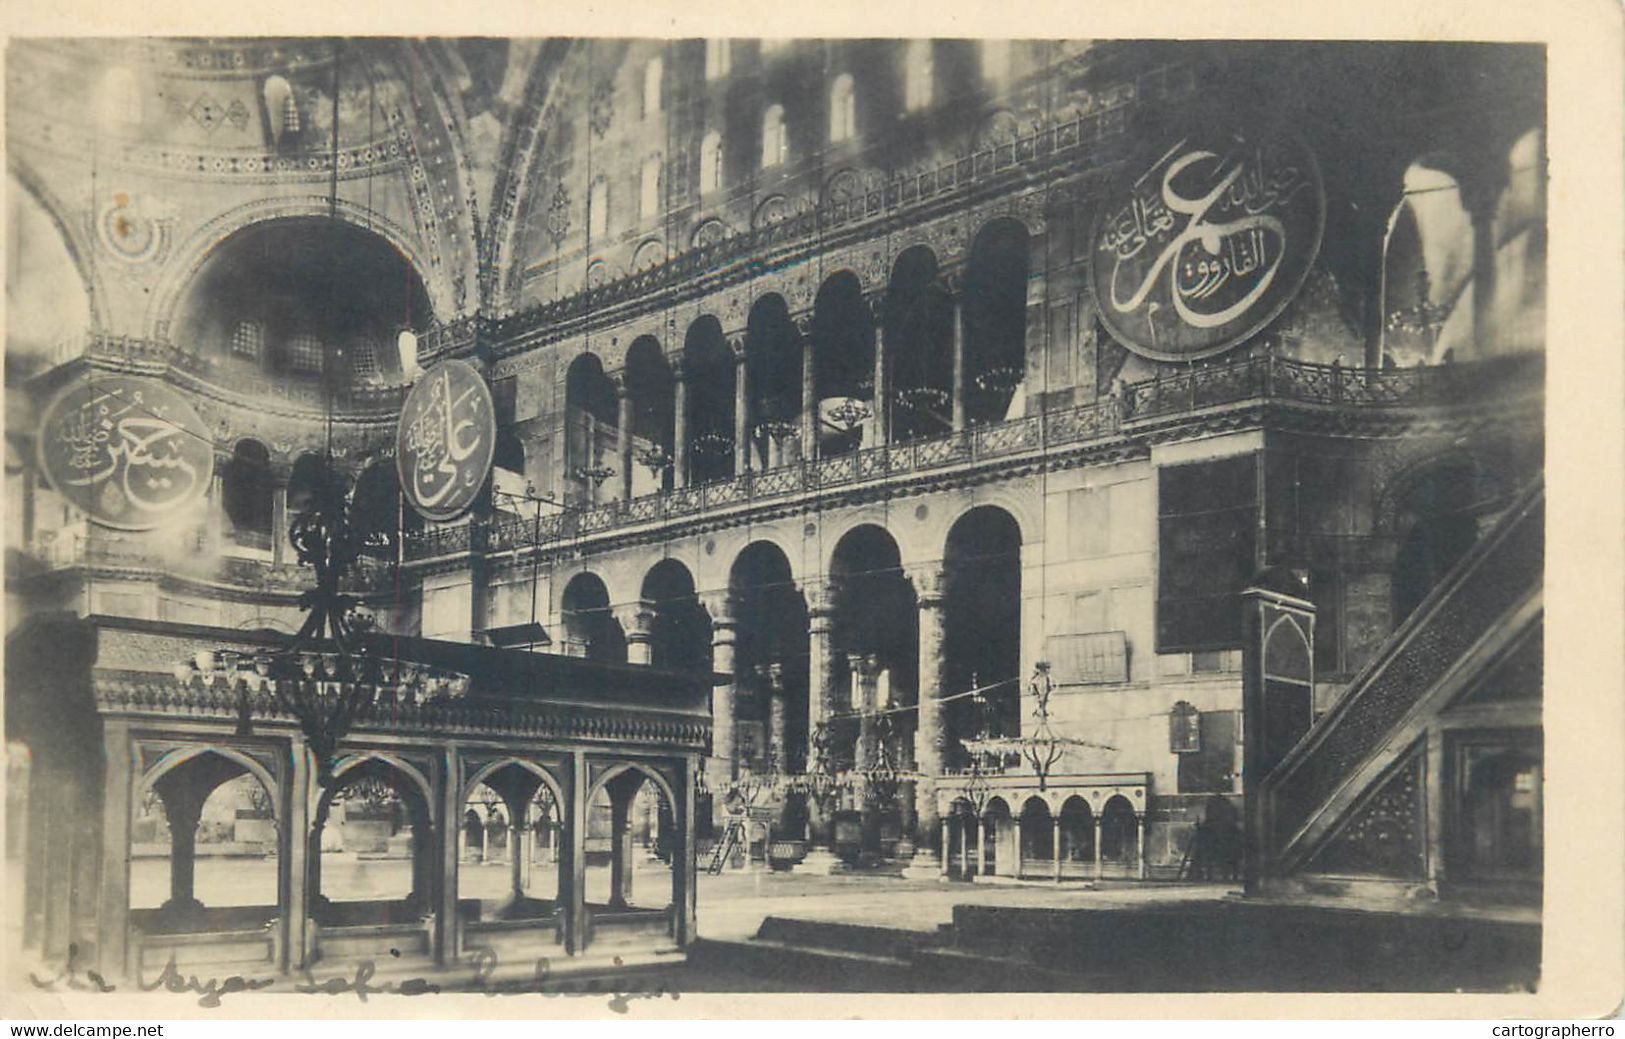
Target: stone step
[867, 939]
[806, 968]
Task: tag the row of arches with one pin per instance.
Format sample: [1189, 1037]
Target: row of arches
[867, 616]
[1076, 841]
[850, 374]
[206, 841]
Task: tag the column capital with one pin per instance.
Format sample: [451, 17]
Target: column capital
[636, 618]
[617, 379]
[803, 322]
[875, 301]
[736, 345]
[821, 596]
[930, 583]
[679, 367]
[720, 605]
[953, 280]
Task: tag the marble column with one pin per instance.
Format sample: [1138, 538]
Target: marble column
[1099, 863]
[623, 436]
[281, 550]
[777, 745]
[865, 670]
[722, 767]
[981, 847]
[1015, 846]
[930, 733]
[821, 703]
[1057, 848]
[956, 287]
[620, 855]
[637, 621]
[880, 425]
[1139, 827]
[809, 388]
[679, 435]
[182, 810]
[741, 407]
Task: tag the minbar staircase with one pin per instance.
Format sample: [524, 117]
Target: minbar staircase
[1361, 807]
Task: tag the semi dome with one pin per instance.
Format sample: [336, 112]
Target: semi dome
[286, 297]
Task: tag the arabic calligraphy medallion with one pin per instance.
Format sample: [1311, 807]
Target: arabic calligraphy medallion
[1204, 246]
[446, 439]
[127, 451]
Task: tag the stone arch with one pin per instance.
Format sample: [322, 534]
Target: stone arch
[80, 251]
[982, 621]
[181, 755]
[621, 768]
[1120, 827]
[918, 330]
[351, 762]
[994, 307]
[587, 619]
[490, 768]
[190, 255]
[679, 630]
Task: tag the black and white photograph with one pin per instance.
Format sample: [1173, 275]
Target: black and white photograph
[647, 516]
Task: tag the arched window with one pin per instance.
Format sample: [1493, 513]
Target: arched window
[717, 59]
[598, 210]
[711, 162]
[775, 141]
[364, 359]
[653, 74]
[281, 108]
[919, 73]
[649, 188]
[120, 101]
[305, 353]
[248, 339]
[995, 60]
[842, 109]
[1184, 729]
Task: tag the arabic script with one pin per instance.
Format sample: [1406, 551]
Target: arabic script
[127, 451]
[1202, 238]
[446, 440]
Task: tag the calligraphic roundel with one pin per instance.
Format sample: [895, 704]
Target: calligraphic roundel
[446, 440]
[1201, 247]
[128, 451]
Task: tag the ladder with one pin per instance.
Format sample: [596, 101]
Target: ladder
[730, 840]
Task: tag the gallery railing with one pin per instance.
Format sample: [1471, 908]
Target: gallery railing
[160, 356]
[188, 555]
[1262, 379]
[1073, 140]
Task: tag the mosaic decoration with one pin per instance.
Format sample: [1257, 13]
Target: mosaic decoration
[128, 231]
[558, 215]
[129, 452]
[1204, 246]
[207, 113]
[445, 441]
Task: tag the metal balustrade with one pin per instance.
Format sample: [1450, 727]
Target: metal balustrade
[1262, 379]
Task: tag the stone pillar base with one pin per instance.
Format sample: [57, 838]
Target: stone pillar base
[819, 862]
[924, 865]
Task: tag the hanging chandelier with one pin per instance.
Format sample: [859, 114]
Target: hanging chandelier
[715, 443]
[849, 414]
[595, 474]
[1042, 748]
[655, 458]
[1001, 379]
